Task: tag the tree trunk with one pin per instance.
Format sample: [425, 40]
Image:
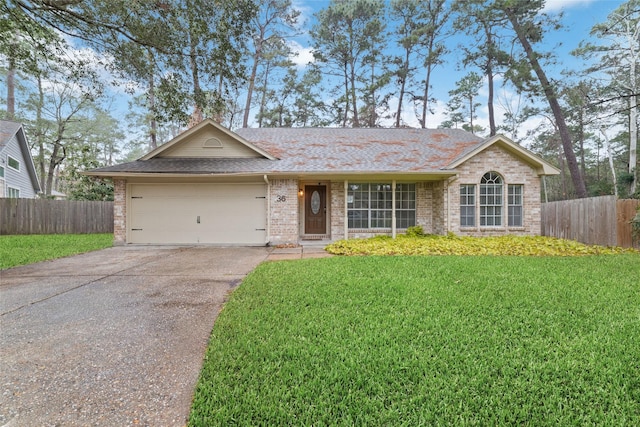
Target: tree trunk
[489, 69]
[252, 83]
[633, 138]
[196, 116]
[11, 87]
[345, 116]
[552, 98]
[403, 85]
[263, 101]
[153, 124]
[40, 133]
[610, 157]
[471, 114]
[427, 82]
[354, 103]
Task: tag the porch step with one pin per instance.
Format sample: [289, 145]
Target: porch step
[314, 237]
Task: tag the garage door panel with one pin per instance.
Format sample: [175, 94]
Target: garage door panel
[198, 213]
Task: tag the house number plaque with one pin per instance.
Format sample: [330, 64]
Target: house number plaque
[281, 199]
[315, 203]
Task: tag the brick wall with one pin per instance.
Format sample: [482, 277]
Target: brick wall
[284, 213]
[337, 210]
[424, 203]
[513, 171]
[119, 211]
[438, 208]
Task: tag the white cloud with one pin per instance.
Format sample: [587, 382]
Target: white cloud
[303, 55]
[552, 6]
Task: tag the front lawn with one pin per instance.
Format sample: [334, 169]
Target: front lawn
[27, 249]
[428, 341]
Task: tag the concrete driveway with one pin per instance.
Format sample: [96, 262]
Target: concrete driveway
[114, 337]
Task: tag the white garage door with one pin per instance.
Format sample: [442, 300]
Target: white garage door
[198, 213]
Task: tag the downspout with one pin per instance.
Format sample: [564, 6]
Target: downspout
[393, 209]
[268, 237]
[346, 207]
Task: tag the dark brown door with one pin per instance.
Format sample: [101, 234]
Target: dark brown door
[315, 209]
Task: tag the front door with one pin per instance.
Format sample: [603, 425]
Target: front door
[315, 209]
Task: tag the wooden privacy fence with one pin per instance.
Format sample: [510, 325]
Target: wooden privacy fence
[41, 216]
[602, 220]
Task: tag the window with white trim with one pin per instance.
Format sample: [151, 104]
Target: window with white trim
[491, 200]
[1, 171]
[514, 203]
[369, 205]
[13, 163]
[467, 205]
[13, 193]
[405, 205]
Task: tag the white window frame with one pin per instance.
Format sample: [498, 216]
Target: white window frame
[468, 202]
[515, 205]
[9, 159]
[491, 200]
[13, 190]
[380, 209]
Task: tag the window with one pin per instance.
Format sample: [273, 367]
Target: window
[514, 201]
[467, 205]
[370, 205]
[491, 200]
[13, 193]
[1, 171]
[405, 205]
[13, 163]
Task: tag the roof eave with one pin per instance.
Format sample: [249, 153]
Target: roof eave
[434, 175]
[26, 153]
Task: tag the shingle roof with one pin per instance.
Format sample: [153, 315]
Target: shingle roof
[7, 130]
[322, 150]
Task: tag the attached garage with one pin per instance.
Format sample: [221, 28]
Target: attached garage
[186, 213]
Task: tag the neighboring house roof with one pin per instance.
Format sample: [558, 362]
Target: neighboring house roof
[8, 130]
[308, 151]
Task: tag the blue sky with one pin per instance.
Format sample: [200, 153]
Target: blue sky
[579, 16]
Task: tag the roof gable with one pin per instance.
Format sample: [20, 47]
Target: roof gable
[208, 140]
[9, 130]
[541, 166]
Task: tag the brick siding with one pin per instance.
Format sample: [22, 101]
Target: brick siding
[119, 211]
[337, 210]
[284, 211]
[513, 171]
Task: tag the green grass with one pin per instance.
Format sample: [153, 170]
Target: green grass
[21, 250]
[409, 341]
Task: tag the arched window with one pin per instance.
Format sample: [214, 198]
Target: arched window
[491, 196]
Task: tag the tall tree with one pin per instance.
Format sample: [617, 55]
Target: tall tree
[346, 33]
[408, 19]
[464, 97]
[214, 38]
[480, 22]
[20, 43]
[617, 53]
[528, 24]
[273, 23]
[436, 14]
